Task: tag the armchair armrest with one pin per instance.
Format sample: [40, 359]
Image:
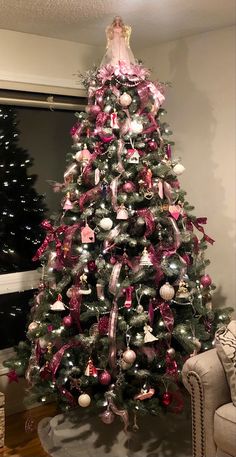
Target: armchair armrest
[204, 377]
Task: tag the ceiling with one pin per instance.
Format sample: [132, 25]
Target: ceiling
[84, 21]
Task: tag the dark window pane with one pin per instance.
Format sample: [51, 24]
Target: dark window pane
[14, 311]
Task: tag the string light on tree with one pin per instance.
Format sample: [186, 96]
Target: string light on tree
[126, 284]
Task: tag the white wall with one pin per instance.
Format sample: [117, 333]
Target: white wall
[201, 111]
[41, 60]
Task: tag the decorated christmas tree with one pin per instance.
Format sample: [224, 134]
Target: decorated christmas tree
[125, 297]
[22, 209]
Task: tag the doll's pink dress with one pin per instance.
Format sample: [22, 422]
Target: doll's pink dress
[118, 49]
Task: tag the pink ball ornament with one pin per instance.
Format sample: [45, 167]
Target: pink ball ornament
[187, 258]
[129, 187]
[167, 398]
[125, 100]
[92, 267]
[103, 325]
[105, 378]
[93, 110]
[129, 356]
[206, 281]
[152, 145]
[67, 321]
[107, 417]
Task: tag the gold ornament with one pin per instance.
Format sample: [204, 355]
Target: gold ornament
[182, 291]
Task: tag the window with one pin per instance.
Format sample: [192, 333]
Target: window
[44, 125]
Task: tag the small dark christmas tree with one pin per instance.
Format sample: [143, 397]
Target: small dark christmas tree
[22, 209]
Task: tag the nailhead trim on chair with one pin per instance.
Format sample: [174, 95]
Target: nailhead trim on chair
[190, 377]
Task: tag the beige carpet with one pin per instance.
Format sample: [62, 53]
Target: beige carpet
[79, 435]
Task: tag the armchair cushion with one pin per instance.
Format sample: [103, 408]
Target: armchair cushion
[204, 377]
[226, 350]
[225, 428]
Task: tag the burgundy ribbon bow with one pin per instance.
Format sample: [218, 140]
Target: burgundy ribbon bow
[167, 316]
[197, 223]
[52, 235]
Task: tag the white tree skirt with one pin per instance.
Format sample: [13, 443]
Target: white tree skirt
[77, 434]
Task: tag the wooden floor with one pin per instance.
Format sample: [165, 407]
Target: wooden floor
[18, 442]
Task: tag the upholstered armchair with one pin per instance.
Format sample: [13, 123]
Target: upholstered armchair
[2, 420]
[213, 413]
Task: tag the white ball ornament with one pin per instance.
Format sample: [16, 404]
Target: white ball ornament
[129, 356]
[84, 400]
[125, 366]
[167, 292]
[43, 343]
[32, 326]
[125, 100]
[106, 223]
[178, 169]
[136, 126]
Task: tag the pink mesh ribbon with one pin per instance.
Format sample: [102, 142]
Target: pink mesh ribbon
[176, 233]
[147, 215]
[156, 258]
[114, 188]
[143, 92]
[111, 237]
[167, 316]
[91, 194]
[65, 393]
[76, 129]
[52, 235]
[114, 277]
[169, 192]
[119, 151]
[123, 413]
[112, 335]
[171, 367]
[75, 304]
[101, 120]
[99, 94]
[69, 233]
[168, 151]
[153, 124]
[156, 89]
[57, 357]
[34, 361]
[147, 88]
